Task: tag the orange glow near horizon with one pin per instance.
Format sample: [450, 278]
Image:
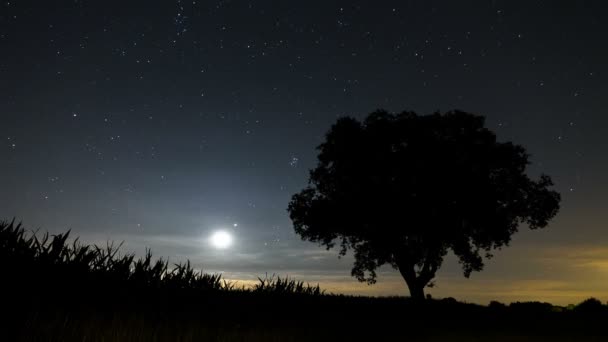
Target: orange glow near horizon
[574, 275]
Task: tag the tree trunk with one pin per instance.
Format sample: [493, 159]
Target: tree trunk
[414, 283]
[416, 290]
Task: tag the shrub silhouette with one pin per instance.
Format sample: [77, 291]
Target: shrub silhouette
[404, 189]
[496, 305]
[531, 308]
[590, 306]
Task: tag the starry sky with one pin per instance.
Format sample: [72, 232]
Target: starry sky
[158, 123]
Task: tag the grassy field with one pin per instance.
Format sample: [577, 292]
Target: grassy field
[53, 290]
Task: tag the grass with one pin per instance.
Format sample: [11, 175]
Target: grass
[51, 256]
[56, 290]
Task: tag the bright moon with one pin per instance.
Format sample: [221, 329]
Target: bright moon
[221, 239]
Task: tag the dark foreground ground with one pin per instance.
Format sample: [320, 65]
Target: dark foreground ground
[246, 316]
[52, 290]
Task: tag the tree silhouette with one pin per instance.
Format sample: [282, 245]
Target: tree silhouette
[404, 189]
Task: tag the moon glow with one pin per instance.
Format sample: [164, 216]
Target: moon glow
[221, 239]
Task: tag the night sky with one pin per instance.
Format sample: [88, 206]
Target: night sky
[157, 123]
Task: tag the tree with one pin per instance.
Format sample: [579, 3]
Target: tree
[404, 189]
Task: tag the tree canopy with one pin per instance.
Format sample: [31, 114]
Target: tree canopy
[404, 189]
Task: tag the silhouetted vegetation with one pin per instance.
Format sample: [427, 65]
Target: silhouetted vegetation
[30, 258]
[404, 189]
[278, 285]
[50, 257]
[591, 306]
[56, 290]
